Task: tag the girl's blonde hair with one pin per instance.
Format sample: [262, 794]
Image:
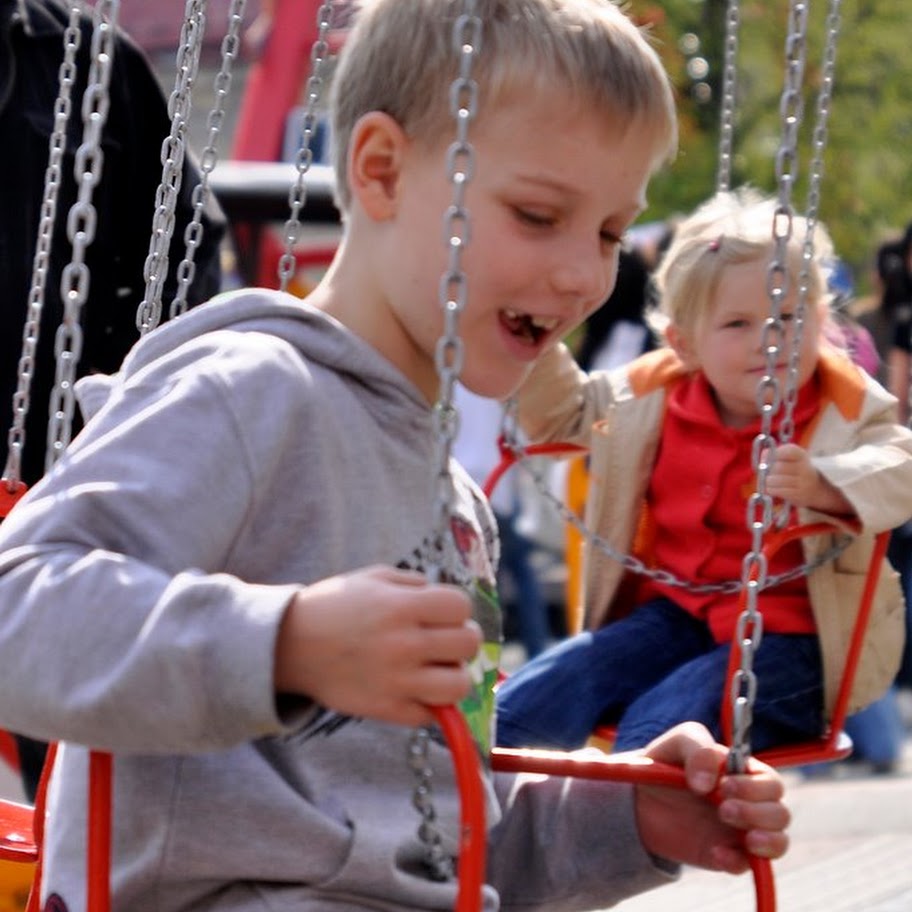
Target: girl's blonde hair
[731, 228]
[399, 58]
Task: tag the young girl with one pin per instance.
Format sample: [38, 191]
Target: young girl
[670, 438]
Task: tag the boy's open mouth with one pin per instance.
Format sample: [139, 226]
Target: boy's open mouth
[529, 327]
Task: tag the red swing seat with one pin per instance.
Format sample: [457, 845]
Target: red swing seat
[834, 743]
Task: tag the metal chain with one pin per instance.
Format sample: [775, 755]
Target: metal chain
[297, 195]
[81, 222]
[759, 515]
[633, 564]
[63, 106]
[460, 162]
[815, 177]
[155, 269]
[193, 233]
[439, 863]
[729, 90]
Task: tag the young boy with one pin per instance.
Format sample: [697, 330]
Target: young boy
[677, 427]
[221, 581]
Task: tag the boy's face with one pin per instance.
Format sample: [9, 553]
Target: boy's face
[727, 344]
[554, 189]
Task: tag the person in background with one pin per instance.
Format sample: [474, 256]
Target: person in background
[889, 320]
[32, 36]
[618, 331]
[477, 451]
[895, 264]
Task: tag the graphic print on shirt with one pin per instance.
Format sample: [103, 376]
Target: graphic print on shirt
[472, 568]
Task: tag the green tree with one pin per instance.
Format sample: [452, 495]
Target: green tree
[866, 193]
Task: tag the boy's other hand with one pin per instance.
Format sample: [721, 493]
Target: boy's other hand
[378, 642]
[687, 827]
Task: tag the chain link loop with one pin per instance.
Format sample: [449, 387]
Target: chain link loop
[759, 516]
[63, 106]
[452, 292]
[297, 195]
[74, 283]
[193, 233]
[155, 269]
[439, 863]
[729, 92]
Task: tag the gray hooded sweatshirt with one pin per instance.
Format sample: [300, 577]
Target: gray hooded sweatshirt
[247, 448]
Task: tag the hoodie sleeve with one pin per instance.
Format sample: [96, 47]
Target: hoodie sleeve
[568, 845]
[117, 628]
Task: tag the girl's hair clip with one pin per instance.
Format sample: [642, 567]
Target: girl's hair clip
[716, 243]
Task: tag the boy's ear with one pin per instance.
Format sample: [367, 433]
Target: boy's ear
[682, 346]
[377, 149]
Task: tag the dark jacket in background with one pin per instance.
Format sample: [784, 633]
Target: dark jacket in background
[30, 56]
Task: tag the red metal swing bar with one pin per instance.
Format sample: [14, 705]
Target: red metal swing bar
[21, 826]
[834, 743]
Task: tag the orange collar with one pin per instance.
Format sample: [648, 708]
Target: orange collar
[841, 382]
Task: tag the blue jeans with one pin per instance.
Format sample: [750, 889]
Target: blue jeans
[530, 605]
[877, 731]
[649, 671]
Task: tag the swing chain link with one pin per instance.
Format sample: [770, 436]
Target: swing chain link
[193, 233]
[815, 176]
[452, 291]
[155, 269]
[760, 515]
[297, 194]
[453, 288]
[81, 221]
[440, 864]
[729, 92]
[630, 562]
[63, 106]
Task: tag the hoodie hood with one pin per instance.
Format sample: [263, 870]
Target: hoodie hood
[318, 337]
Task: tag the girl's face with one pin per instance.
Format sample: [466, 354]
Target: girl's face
[727, 343]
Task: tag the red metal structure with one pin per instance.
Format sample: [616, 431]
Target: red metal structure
[272, 90]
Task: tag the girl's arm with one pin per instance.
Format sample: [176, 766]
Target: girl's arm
[560, 401]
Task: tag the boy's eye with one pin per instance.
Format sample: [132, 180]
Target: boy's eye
[534, 218]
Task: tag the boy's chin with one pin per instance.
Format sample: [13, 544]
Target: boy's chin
[495, 389]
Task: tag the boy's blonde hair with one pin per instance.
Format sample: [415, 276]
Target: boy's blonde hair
[731, 228]
[399, 58]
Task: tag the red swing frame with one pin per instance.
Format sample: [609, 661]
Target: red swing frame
[834, 743]
[22, 827]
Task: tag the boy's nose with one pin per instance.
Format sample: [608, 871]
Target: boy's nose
[586, 277]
